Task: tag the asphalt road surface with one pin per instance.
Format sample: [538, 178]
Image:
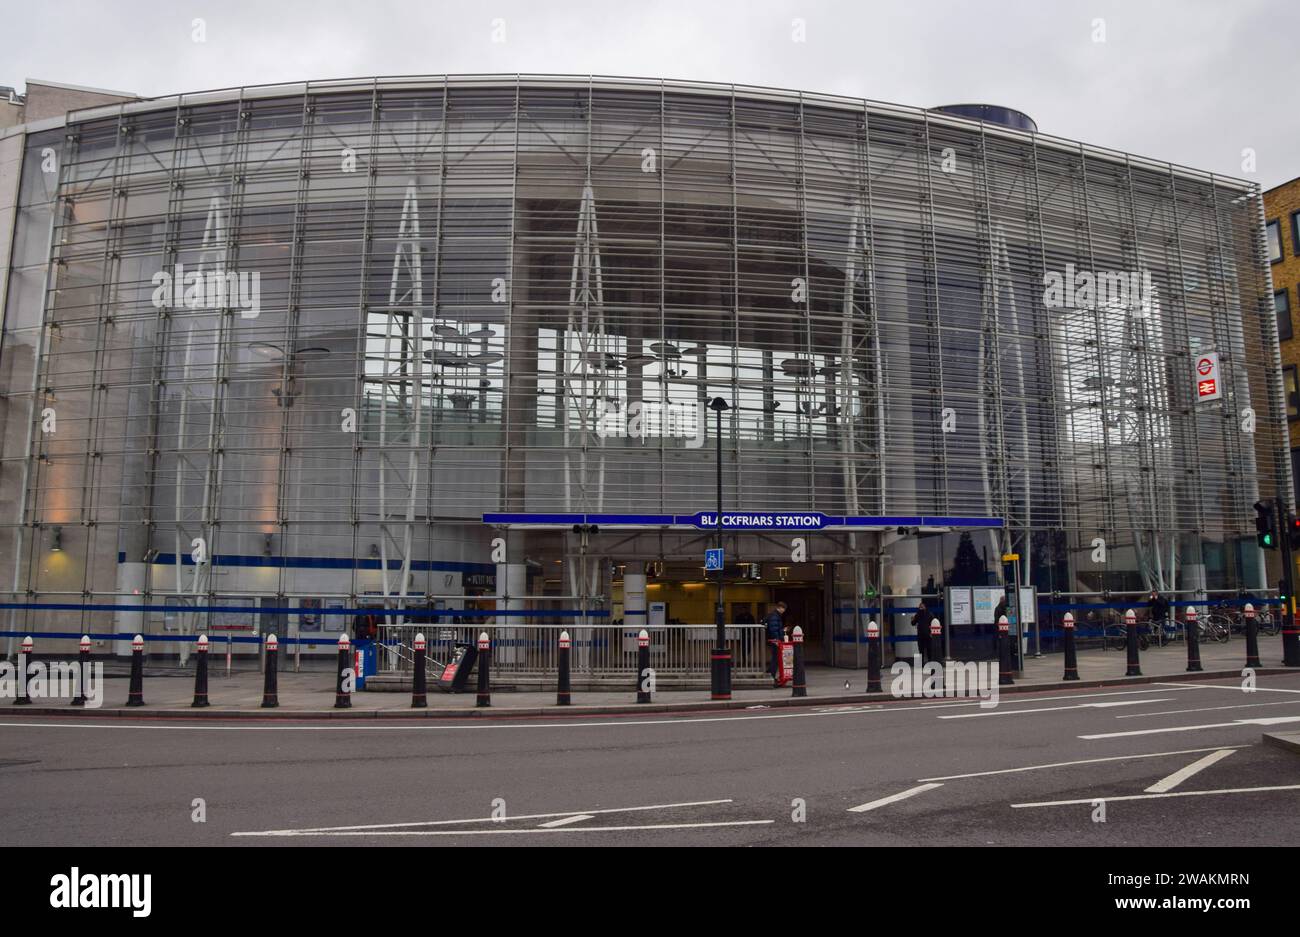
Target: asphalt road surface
[1158, 764]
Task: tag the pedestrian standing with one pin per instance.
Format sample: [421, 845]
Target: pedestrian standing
[921, 622]
[775, 624]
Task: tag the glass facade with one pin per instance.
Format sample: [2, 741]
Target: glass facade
[288, 345]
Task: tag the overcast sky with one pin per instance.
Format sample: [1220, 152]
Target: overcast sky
[1193, 82]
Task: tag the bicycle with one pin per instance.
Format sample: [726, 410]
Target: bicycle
[1166, 630]
[1119, 633]
[1267, 623]
[1214, 627]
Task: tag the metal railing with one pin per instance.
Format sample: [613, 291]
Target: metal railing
[606, 650]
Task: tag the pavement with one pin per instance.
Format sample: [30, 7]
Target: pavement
[311, 694]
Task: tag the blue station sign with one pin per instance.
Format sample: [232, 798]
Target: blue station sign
[761, 520]
[743, 520]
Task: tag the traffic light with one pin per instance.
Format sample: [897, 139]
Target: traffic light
[1293, 531]
[1265, 526]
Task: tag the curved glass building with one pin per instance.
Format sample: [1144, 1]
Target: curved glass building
[274, 356]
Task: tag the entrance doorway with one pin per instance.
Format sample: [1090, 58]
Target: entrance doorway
[805, 606]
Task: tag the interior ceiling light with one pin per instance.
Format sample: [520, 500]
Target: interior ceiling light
[665, 350]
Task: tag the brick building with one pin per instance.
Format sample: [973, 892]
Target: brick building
[1282, 224]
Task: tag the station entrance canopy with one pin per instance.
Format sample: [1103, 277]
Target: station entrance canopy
[742, 520]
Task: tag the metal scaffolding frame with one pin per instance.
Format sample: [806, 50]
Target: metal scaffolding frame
[831, 275]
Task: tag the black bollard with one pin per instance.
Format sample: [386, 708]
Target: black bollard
[720, 670]
[936, 640]
[1071, 655]
[419, 679]
[643, 667]
[1192, 635]
[135, 693]
[936, 646]
[1252, 637]
[484, 665]
[24, 659]
[873, 657]
[200, 673]
[1004, 652]
[346, 679]
[799, 685]
[83, 670]
[270, 691]
[562, 694]
[1131, 631]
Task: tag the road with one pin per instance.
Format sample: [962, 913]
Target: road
[944, 772]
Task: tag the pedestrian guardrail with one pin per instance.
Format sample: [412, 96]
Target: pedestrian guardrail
[604, 650]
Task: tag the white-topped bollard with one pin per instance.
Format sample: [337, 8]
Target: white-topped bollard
[270, 687]
[346, 680]
[135, 694]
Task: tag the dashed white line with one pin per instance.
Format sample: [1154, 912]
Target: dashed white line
[1206, 709]
[1111, 800]
[565, 821]
[893, 798]
[1215, 686]
[522, 816]
[1182, 774]
[1237, 723]
[1068, 764]
[515, 831]
[1053, 709]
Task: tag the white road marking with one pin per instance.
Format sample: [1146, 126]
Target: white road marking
[894, 798]
[1111, 800]
[522, 816]
[1206, 709]
[515, 831]
[1053, 709]
[1068, 764]
[565, 821]
[1182, 774]
[1238, 723]
[1215, 686]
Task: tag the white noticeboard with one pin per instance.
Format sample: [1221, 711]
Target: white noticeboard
[1028, 604]
[985, 601]
[1206, 376]
[959, 606]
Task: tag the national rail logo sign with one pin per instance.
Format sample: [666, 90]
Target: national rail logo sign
[1209, 382]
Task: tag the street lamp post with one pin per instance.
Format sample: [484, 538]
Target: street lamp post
[721, 669]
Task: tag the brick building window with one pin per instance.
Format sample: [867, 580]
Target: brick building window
[1282, 309]
[1292, 391]
[1274, 242]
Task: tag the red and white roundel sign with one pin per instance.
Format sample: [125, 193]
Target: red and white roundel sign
[1207, 377]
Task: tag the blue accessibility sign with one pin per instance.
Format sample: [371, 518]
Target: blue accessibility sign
[713, 560]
